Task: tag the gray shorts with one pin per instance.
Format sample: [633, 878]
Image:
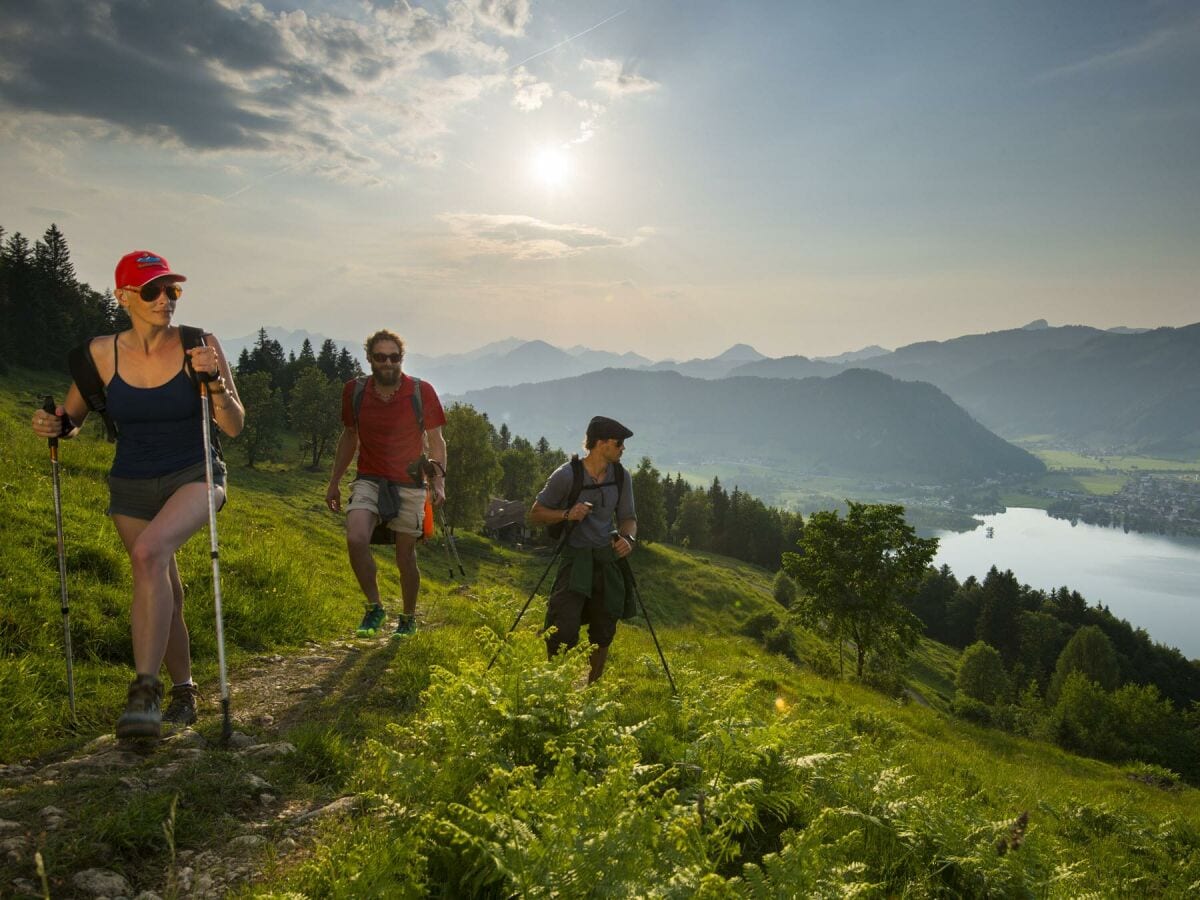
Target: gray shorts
[144, 498]
[410, 518]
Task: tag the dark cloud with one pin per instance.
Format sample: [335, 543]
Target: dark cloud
[212, 77]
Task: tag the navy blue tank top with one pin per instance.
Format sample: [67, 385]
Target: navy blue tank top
[159, 428]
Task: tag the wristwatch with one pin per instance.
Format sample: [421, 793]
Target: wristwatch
[566, 514]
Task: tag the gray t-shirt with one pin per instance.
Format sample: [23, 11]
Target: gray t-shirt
[592, 531]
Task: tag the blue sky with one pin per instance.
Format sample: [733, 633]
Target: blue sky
[663, 177]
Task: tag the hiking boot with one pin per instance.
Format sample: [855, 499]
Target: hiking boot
[181, 711]
[372, 622]
[405, 626]
[142, 718]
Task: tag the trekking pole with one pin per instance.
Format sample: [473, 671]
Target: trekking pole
[557, 550]
[49, 406]
[624, 563]
[205, 399]
[452, 548]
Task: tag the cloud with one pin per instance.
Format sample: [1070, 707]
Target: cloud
[527, 238]
[334, 91]
[530, 92]
[618, 79]
[506, 16]
[53, 215]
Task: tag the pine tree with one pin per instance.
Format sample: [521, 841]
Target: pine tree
[327, 360]
[347, 367]
[649, 503]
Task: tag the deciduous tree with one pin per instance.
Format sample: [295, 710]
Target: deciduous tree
[315, 411]
[857, 573]
[471, 465]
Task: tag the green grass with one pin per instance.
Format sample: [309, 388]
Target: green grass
[760, 779]
[1072, 461]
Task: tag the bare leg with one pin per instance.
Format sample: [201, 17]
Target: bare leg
[410, 574]
[156, 604]
[359, 525]
[179, 643]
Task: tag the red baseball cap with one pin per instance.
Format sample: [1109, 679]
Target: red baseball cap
[142, 266]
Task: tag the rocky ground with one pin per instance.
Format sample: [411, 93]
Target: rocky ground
[269, 695]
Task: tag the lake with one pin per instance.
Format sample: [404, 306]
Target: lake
[1151, 581]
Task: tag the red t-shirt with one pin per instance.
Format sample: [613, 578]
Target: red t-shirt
[388, 436]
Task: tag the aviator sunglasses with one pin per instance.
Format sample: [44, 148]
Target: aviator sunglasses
[151, 291]
[386, 357]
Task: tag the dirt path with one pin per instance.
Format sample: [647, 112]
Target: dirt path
[269, 695]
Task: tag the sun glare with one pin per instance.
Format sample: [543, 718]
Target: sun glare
[551, 167]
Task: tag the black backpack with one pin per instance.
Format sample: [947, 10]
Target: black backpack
[87, 378]
[556, 529]
[360, 385]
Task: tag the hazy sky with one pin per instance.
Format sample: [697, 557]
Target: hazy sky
[668, 176]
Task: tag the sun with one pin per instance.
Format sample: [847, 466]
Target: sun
[551, 167]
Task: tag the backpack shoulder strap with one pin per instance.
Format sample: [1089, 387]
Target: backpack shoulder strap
[576, 480]
[360, 385]
[619, 478]
[87, 378]
[418, 403]
[191, 337]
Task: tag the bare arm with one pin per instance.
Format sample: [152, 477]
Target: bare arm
[347, 446]
[435, 443]
[228, 411]
[544, 515]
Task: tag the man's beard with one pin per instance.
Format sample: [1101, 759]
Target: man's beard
[388, 376]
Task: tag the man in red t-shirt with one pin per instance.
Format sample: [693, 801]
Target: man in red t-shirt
[388, 441]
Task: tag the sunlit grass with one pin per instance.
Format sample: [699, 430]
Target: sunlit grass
[759, 779]
[1070, 460]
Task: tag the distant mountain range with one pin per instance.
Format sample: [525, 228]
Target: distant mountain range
[1127, 389]
[858, 423]
[514, 362]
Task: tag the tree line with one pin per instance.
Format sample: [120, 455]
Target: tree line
[44, 309]
[1048, 665]
[297, 392]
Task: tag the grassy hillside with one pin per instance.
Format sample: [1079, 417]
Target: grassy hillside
[759, 779]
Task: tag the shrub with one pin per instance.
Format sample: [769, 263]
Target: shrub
[759, 625]
[981, 674]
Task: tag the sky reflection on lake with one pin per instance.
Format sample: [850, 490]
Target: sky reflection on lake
[1150, 580]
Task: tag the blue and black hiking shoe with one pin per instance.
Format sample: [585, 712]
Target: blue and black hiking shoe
[372, 622]
[405, 626]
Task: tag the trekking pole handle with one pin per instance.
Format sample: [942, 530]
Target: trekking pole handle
[48, 405]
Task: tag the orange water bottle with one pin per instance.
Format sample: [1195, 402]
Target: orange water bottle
[427, 524]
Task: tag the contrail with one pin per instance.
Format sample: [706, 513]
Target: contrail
[252, 184]
[567, 40]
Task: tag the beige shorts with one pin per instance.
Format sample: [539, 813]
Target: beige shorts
[365, 495]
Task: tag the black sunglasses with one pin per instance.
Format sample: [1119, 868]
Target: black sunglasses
[385, 357]
[152, 290]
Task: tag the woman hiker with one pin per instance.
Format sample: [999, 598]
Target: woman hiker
[158, 496]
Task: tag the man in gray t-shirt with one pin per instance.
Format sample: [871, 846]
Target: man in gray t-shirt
[590, 586]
